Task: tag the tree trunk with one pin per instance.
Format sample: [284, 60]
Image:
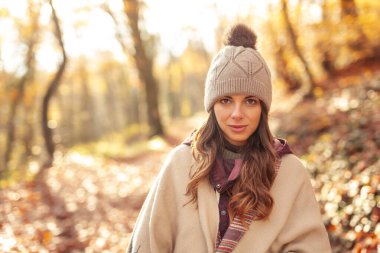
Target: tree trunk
[29, 131]
[348, 8]
[145, 68]
[324, 46]
[349, 16]
[292, 82]
[133, 94]
[11, 127]
[287, 75]
[307, 88]
[19, 91]
[54, 201]
[52, 87]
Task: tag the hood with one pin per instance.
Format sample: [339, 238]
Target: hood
[282, 147]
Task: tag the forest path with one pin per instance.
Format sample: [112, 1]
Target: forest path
[96, 203]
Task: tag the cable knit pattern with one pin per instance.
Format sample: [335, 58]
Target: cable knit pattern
[237, 70]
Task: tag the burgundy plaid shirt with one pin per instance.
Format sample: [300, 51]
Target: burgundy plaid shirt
[222, 178]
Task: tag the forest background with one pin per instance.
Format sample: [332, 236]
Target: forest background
[93, 94]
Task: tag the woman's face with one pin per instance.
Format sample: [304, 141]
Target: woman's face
[238, 116]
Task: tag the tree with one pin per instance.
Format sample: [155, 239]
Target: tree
[52, 87]
[19, 88]
[350, 17]
[281, 64]
[132, 106]
[144, 65]
[310, 84]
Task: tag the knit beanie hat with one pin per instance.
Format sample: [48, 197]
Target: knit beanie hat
[238, 68]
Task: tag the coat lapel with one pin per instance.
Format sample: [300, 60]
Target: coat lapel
[208, 213]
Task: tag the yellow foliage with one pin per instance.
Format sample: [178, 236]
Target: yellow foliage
[46, 237]
[175, 73]
[13, 94]
[29, 95]
[325, 137]
[185, 107]
[318, 92]
[4, 12]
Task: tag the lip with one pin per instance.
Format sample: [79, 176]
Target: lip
[238, 128]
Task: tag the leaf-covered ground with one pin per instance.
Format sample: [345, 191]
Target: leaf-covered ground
[342, 154]
[96, 200]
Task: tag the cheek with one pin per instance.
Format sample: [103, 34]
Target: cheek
[258, 116]
[219, 120]
[255, 116]
[220, 114]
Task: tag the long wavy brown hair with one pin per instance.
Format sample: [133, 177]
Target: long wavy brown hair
[251, 190]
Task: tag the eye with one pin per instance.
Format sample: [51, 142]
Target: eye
[251, 101]
[225, 101]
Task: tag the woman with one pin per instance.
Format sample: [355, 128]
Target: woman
[231, 186]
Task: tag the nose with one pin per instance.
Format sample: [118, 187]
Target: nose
[237, 112]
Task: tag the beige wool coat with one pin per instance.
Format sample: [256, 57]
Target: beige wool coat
[166, 225]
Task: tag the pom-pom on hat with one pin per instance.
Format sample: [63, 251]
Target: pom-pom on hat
[238, 68]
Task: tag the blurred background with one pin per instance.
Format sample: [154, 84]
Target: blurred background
[93, 94]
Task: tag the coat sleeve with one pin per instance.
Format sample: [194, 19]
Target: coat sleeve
[304, 230]
[155, 226]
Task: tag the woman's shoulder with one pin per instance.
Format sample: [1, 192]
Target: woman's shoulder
[180, 155]
[292, 176]
[177, 164]
[292, 167]
[180, 151]
[292, 160]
